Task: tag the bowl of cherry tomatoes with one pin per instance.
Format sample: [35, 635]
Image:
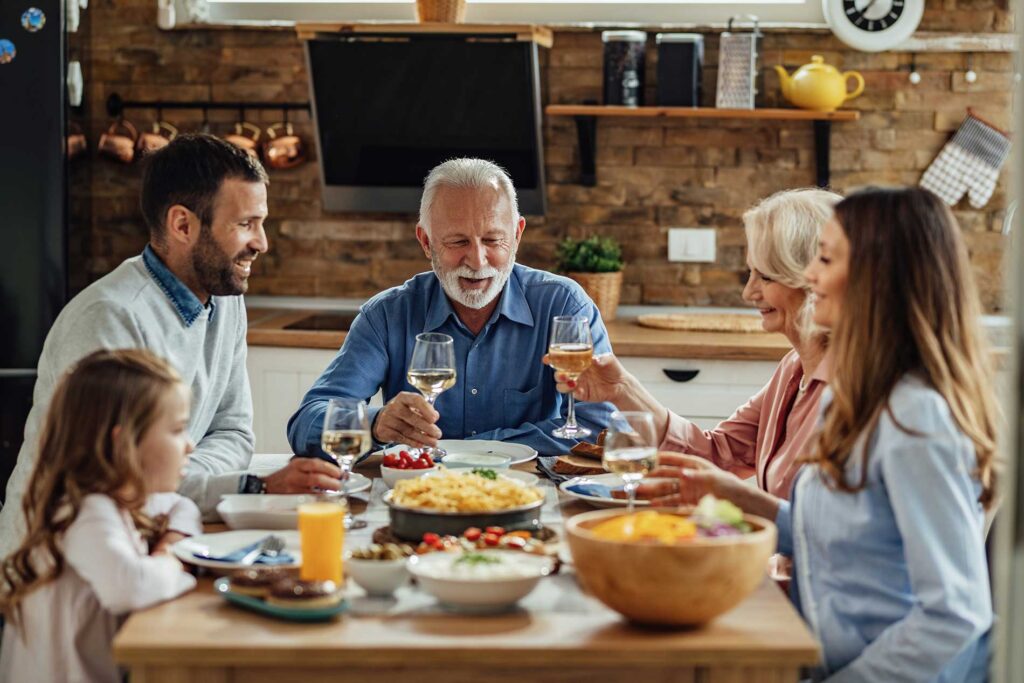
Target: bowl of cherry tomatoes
[405, 464]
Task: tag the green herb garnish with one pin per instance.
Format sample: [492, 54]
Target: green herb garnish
[486, 474]
[477, 559]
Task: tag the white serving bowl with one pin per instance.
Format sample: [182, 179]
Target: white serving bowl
[438, 576]
[391, 475]
[377, 577]
[270, 511]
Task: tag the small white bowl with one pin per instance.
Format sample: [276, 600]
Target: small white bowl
[377, 577]
[390, 475]
[479, 594]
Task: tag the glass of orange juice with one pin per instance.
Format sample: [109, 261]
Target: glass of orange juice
[322, 535]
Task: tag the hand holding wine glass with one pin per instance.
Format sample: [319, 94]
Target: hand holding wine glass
[432, 370]
[346, 436]
[570, 351]
[631, 448]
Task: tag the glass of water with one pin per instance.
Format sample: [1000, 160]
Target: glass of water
[631, 448]
[346, 436]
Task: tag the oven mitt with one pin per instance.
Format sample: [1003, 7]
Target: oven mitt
[969, 163]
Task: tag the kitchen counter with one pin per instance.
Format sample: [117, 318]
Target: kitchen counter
[267, 328]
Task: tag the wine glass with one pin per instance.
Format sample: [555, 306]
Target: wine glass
[432, 370]
[630, 448]
[570, 351]
[346, 436]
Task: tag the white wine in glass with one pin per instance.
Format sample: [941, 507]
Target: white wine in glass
[432, 370]
[570, 350]
[346, 436]
[630, 448]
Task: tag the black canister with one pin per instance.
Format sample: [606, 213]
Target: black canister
[624, 67]
[680, 66]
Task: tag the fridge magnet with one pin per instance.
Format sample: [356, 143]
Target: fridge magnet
[33, 20]
[7, 51]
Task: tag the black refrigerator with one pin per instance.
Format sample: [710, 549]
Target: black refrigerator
[33, 203]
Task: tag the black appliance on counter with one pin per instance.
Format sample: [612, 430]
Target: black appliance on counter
[389, 108]
[33, 208]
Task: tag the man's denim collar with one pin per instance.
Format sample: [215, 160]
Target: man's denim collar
[512, 305]
[187, 304]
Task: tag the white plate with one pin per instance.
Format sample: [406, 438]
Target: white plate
[225, 542]
[517, 451]
[524, 477]
[608, 479]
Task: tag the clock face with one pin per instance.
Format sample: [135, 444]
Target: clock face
[873, 15]
[873, 25]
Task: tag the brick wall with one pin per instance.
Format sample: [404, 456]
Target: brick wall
[652, 175]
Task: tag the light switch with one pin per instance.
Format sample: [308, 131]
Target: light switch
[692, 245]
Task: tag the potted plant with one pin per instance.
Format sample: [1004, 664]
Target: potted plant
[596, 263]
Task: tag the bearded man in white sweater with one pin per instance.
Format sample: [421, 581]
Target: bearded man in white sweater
[204, 202]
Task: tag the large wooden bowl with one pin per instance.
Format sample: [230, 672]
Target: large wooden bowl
[683, 584]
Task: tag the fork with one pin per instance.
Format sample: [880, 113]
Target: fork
[271, 546]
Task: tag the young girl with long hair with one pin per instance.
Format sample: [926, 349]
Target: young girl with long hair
[886, 524]
[100, 511]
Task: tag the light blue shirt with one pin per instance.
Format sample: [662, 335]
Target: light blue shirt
[503, 391]
[893, 579]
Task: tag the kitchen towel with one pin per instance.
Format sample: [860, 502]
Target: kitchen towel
[969, 163]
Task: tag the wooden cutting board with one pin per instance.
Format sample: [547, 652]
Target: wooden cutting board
[703, 322]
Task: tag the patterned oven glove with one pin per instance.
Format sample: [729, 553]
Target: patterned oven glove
[969, 162]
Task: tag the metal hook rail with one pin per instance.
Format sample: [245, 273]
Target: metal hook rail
[116, 105]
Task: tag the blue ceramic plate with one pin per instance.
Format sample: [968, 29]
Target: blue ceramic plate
[223, 588]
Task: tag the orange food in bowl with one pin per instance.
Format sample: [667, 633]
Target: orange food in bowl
[648, 525]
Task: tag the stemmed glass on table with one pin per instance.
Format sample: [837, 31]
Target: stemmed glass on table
[432, 370]
[570, 351]
[346, 436]
[631, 448]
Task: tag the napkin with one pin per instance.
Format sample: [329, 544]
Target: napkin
[546, 466]
[592, 489]
[236, 555]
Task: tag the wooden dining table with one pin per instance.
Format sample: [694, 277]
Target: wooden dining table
[557, 633]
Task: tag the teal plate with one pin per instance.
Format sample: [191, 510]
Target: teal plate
[223, 588]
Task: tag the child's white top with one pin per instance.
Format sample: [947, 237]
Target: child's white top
[68, 625]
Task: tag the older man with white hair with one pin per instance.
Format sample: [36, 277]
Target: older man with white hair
[498, 313]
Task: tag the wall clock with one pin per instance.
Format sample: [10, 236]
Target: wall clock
[873, 25]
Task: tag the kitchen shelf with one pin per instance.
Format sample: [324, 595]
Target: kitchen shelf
[586, 116]
[542, 35]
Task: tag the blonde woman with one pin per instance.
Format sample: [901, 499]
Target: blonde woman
[765, 436]
[887, 522]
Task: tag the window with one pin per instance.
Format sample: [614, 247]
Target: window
[550, 12]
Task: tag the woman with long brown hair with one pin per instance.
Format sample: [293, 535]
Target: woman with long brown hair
[112, 452]
[886, 524]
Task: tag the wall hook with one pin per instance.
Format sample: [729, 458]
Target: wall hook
[971, 76]
[914, 77]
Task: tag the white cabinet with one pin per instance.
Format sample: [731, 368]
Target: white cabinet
[280, 377]
[704, 391]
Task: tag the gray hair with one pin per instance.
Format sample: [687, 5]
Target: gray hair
[465, 173]
[782, 238]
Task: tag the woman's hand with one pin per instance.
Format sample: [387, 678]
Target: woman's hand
[685, 479]
[604, 380]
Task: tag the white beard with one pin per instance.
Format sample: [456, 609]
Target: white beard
[472, 298]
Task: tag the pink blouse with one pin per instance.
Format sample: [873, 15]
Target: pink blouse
[768, 436]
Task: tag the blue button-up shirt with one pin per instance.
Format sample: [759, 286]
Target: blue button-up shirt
[185, 302]
[893, 579]
[503, 391]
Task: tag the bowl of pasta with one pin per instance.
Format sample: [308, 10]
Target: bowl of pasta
[449, 502]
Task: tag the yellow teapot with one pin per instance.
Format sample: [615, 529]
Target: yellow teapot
[818, 86]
